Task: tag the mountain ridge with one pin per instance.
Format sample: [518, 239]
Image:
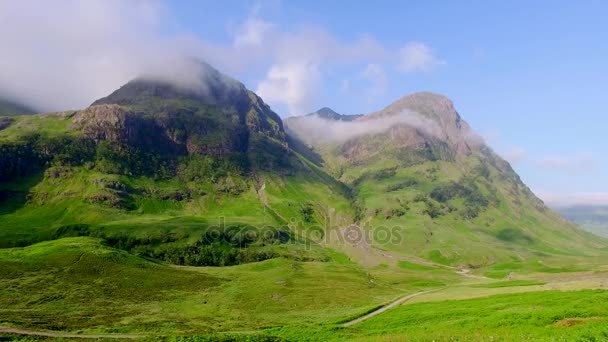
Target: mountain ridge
[415, 160]
[328, 113]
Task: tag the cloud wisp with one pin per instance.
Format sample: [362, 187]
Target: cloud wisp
[418, 57]
[68, 53]
[377, 78]
[561, 200]
[315, 129]
[65, 54]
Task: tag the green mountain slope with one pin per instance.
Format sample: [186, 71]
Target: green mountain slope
[417, 166]
[153, 167]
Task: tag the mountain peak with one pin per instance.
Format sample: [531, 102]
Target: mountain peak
[203, 83]
[428, 96]
[431, 105]
[326, 111]
[216, 117]
[330, 114]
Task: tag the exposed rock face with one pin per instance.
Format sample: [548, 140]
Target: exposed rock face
[218, 118]
[107, 122]
[400, 136]
[440, 111]
[414, 122]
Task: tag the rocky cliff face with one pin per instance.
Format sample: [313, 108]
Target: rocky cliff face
[218, 118]
[426, 124]
[438, 117]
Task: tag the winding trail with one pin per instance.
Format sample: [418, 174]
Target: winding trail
[387, 307]
[17, 331]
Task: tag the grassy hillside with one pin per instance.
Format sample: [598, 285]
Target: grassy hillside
[81, 283]
[162, 218]
[452, 200]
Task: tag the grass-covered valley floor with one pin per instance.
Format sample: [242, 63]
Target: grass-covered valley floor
[80, 285]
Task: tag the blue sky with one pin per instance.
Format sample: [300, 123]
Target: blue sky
[530, 76]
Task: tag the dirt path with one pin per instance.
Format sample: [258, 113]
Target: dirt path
[387, 307]
[63, 335]
[467, 273]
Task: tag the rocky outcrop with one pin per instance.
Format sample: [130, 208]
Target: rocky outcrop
[442, 118]
[397, 136]
[107, 122]
[218, 118]
[419, 121]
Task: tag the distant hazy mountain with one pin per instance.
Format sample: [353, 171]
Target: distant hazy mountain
[328, 113]
[592, 218]
[11, 107]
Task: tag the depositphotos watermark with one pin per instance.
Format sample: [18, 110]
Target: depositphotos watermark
[299, 232]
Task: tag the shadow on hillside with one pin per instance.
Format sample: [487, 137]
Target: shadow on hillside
[14, 195]
[302, 148]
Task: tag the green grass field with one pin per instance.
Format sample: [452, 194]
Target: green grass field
[80, 285]
[547, 316]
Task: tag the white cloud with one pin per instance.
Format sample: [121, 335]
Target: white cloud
[67, 53]
[252, 33]
[417, 57]
[315, 129]
[294, 84]
[375, 74]
[561, 200]
[298, 60]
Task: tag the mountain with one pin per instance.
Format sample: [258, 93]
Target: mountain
[10, 107]
[589, 217]
[214, 151]
[208, 153]
[417, 165]
[328, 113]
[220, 118]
